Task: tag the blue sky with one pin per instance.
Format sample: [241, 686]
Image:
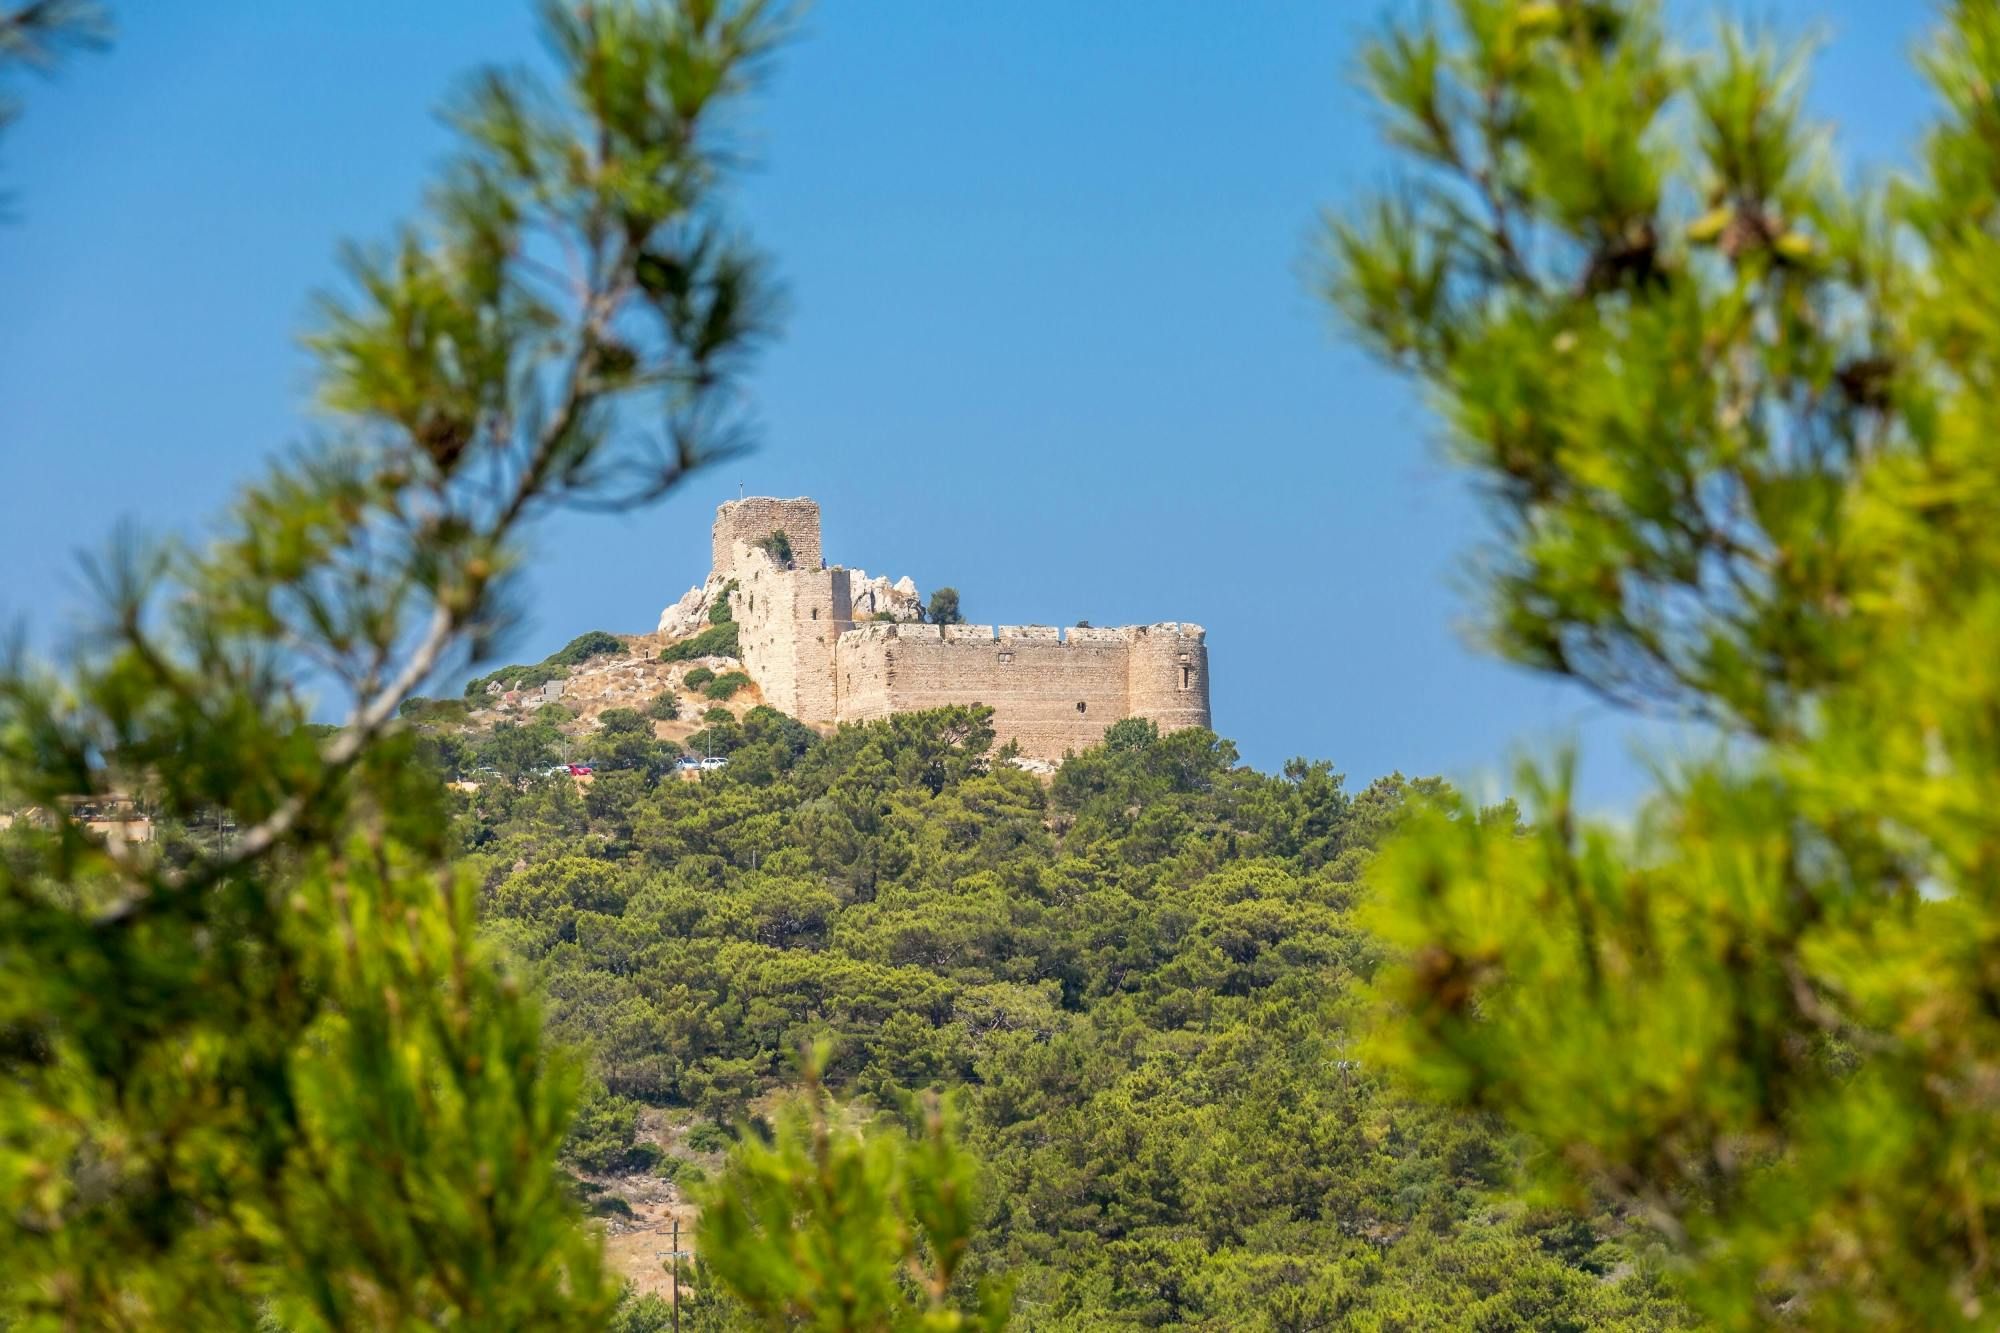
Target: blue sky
[1049, 338]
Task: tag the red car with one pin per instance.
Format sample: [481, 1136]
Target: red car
[579, 770]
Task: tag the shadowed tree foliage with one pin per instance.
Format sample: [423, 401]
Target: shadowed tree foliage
[260, 1067]
[1735, 420]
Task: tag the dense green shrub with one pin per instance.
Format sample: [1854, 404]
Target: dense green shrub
[715, 641]
[665, 707]
[594, 643]
[721, 687]
[698, 677]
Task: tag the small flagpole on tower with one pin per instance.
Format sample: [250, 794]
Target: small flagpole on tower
[739, 490]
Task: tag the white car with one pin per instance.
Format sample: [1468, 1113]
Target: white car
[716, 761]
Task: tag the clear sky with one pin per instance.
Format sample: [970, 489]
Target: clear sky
[1049, 337]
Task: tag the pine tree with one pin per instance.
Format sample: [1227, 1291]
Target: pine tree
[260, 1067]
[845, 1228]
[1735, 419]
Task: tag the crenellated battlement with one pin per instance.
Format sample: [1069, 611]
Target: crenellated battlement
[1052, 689]
[990, 634]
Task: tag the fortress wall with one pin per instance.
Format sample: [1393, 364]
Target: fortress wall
[822, 604]
[764, 605]
[1168, 680]
[1034, 682]
[753, 520]
[787, 622]
[861, 669]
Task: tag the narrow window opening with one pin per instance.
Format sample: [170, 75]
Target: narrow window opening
[1006, 657]
[1079, 705]
[1187, 678]
[815, 613]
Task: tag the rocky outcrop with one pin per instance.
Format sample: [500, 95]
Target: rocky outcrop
[880, 599]
[690, 614]
[632, 679]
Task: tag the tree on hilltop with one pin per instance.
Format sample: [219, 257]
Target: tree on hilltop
[1734, 418]
[943, 608]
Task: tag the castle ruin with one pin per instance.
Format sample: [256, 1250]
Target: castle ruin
[1052, 690]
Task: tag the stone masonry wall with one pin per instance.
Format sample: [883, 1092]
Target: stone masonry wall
[763, 605]
[753, 520]
[786, 623]
[1050, 690]
[1167, 677]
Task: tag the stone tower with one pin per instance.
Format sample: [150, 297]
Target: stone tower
[1166, 673]
[788, 619]
[753, 520]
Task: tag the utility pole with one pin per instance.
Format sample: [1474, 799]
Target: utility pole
[677, 1274]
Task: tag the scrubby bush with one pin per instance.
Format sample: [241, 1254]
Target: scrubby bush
[715, 641]
[721, 687]
[623, 722]
[721, 613]
[433, 712]
[665, 707]
[697, 678]
[516, 677]
[594, 643]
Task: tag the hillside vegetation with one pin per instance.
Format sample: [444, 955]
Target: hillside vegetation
[1138, 978]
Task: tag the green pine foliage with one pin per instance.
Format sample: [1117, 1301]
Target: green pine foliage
[1735, 417]
[1141, 983]
[943, 608]
[262, 1070]
[827, 1225]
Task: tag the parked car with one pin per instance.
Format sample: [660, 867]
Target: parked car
[578, 770]
[688, 762]
[716, 761]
